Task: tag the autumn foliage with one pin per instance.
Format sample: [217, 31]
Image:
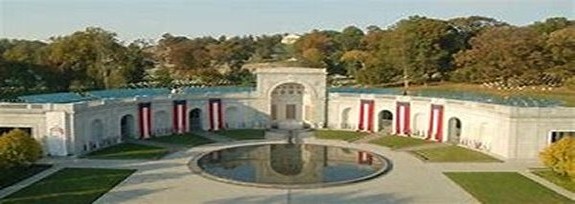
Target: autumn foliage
[18, 148]
[560, 157]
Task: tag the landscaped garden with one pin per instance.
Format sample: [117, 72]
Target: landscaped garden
[505, 187]
[563, 181]
[128, 151]
[18, 173]
[339, 135]
[453, 153]
[243, 134]
[398, 142]
[70, 185]
[187, 140]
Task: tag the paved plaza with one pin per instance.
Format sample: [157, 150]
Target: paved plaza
[170, 180]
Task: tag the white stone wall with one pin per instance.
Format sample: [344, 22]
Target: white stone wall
[505, 131]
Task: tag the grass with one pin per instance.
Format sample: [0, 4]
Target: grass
[243, 134]
[505, 187]
[128, 151]
[14, 175]
[397, 142]
[557, 179]
[339, 135]
[561, 94]
[188, 140]
[70, 185]
[453, 154]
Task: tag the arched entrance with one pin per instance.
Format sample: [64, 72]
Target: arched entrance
[345, 119]
[195, 119]
[385, 121]
[419, 123]
[232, 117]
[287, 104]
[161, 123]
[97, 130]
[127, 127]
[454, 130]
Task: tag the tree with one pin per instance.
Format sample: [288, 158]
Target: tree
[552, 24]
[349, 38]
[18, 148]
[560, 157]
[89, 59]
[561, 46]
[507, 54]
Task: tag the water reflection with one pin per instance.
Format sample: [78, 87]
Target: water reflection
[291, 164]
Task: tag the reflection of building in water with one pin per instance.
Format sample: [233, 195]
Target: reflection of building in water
[290, 164]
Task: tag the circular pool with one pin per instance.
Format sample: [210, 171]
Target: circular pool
[291, 165]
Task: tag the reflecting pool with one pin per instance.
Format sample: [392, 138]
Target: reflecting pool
[292, 165]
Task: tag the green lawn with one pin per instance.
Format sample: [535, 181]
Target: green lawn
[243, 134]
[188, 140]
[557, 179]
[397, 142]
[70, 185]
[339, 135]
[505, 187]
[16, 174]
[453, 154]
[128, 151]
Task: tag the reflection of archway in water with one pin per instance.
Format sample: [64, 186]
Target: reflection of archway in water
[286, 159]
[454, 130]
[195, 119]
[97, 129]
[385, 119]
[345, 119]
[127, 127]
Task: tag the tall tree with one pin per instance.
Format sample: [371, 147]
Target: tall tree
[508, 54]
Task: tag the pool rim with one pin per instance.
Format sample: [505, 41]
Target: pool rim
[195, 168]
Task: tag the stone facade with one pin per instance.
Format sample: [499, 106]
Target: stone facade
[283, 97]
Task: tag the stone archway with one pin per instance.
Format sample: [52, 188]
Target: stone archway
[128, 127]
[195, 119]
[288, 104]
[345, 119]
[232, 117]
[161, 123]
[454, 130]
[419, 124]
[385, 121]
[97, 133]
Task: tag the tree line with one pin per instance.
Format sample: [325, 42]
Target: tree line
[417, 49]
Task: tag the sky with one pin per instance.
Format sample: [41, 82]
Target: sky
[149, 19]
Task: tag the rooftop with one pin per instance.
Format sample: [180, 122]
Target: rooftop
[68, 97]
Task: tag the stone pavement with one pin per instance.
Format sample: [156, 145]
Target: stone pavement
[170, 180]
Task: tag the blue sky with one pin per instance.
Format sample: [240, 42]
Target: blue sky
[149, 19]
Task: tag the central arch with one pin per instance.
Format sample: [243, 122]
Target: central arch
[289, 106]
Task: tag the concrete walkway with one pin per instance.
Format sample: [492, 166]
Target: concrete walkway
[170, 180]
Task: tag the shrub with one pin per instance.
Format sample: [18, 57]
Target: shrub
[18, 148]
[560, 157]
[570, 83]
